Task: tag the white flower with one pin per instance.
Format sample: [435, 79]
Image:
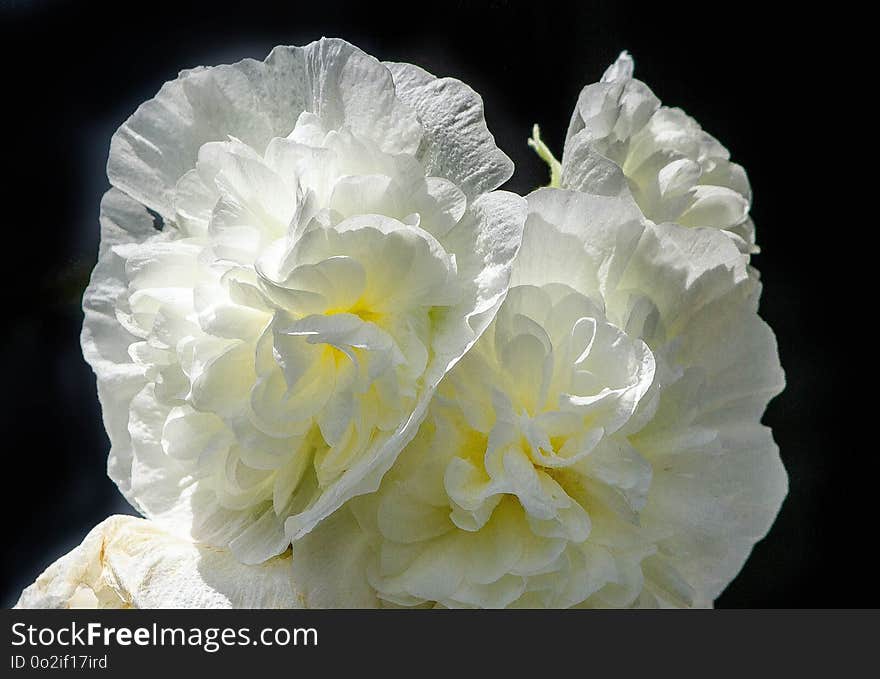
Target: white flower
[126, 562]
[328, 251]
[621, 140]
[600, 445]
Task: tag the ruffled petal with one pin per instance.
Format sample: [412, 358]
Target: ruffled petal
[621, 141]
[255, 101]
[104, 341]
[600, 445]
[458, 145]
[126, 562]
[328, 253]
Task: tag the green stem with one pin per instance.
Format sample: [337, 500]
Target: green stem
[546, 155]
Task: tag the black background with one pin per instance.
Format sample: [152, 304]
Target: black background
[770, 87]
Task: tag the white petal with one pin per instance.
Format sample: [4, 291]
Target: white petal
[621, 69]
[578, 239]
[683, 269]
[484, 244]
[459, 145]
[622, 141]
[104, 342]
[255, 101]
[331, 567]
[125, 562]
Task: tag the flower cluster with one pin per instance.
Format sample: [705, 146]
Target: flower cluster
[316, 323]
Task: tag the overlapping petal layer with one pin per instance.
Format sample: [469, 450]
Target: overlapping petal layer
[126, 562]
[600, 445]
[303, 258]
[328, 251]
[621, 140]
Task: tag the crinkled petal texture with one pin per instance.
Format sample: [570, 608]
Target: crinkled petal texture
[601, 444]
[330, 245]
[621, 140]
[126, 562]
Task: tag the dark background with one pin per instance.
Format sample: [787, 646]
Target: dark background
[770, 87]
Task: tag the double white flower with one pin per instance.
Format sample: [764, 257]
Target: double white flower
[621, 141]
[600, 445]
[331, 246]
